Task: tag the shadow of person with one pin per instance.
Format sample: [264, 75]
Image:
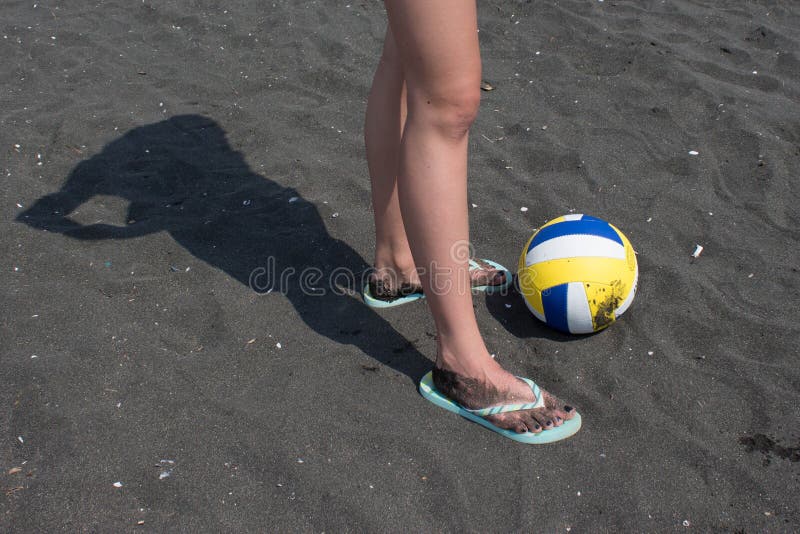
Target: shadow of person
[181, 176]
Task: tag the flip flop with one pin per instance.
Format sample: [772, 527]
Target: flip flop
[374, 302]
[570, 427]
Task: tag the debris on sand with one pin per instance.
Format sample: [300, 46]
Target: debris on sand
[698, 249]
[117, 484]
[486, 86]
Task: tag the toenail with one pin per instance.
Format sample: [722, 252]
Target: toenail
[568, 408]
[558, 418]
[548, 423]
[538, 427]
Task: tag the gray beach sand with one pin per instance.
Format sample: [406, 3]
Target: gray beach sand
[155, 155]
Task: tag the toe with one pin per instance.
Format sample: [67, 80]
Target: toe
[518, 425]
[533, 425]
[511, 422]
[543, 417]
[569, 412]
[558, 409]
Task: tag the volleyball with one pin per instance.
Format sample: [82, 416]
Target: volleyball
[578, 274]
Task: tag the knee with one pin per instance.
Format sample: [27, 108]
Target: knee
[452, 112]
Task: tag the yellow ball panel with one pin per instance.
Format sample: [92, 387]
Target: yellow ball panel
[593, 270]
[604, 299]
[529, 291]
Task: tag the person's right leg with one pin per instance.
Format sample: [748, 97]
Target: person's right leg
[438, 45]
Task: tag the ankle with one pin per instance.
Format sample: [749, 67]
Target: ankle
[471, 360]
[400, 264]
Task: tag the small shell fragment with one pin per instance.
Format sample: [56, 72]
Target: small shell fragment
[523, 209]
[486, 86]
[697, 251]
[117, 484]
[693, 152]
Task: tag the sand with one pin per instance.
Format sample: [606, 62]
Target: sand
[155, 155]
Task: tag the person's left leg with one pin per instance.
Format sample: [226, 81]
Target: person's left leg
[395, 270]
[383, 129]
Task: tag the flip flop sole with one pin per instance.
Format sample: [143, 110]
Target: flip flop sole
[570, 427]
[373, 302]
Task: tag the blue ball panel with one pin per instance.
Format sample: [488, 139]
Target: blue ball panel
[554, 302]
[585, 226]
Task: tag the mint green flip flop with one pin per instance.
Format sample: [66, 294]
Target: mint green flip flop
[570, 427]
[374, 302]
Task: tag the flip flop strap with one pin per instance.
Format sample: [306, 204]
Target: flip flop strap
[503, 408]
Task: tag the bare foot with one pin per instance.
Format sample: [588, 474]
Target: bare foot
[501, 387]
[388, 282]
[486, 275]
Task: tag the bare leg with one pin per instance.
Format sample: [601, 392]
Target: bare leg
[383, 128]
[386, 113]
[438, 46]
